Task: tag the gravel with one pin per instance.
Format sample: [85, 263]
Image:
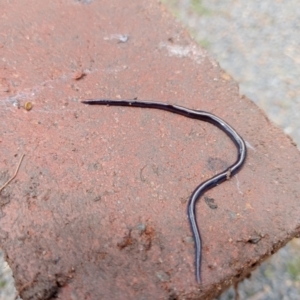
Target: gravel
[7, 288]
[258, 44]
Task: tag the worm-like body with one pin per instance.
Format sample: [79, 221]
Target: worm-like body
[208, 184]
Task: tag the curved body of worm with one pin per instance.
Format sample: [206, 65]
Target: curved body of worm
[206, 185]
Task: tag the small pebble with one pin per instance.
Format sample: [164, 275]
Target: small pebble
[28, 106]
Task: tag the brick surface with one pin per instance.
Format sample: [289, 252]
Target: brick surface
[98, 207]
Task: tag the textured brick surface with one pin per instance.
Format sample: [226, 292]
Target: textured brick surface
[98, 208]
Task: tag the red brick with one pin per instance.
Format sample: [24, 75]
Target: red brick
[98, 207]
